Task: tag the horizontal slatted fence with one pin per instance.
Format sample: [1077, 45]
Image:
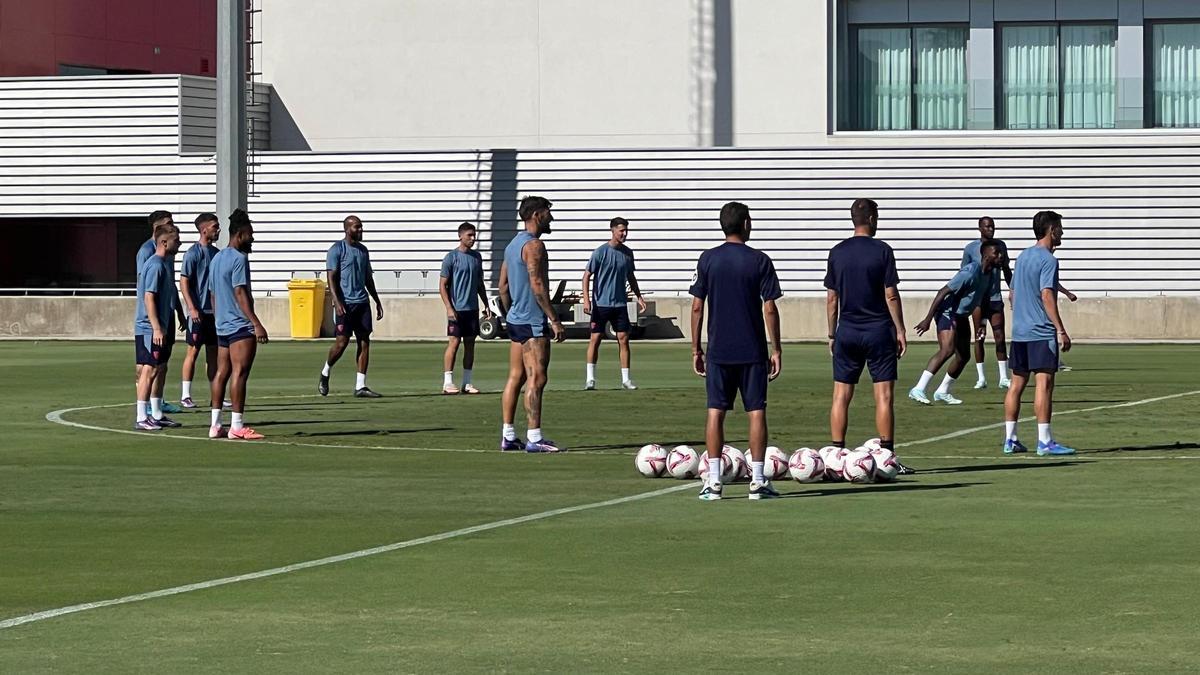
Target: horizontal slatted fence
[111, 147]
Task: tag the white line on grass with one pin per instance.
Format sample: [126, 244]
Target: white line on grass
[295, 567]
[508, 522]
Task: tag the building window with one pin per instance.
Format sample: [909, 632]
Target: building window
[909, 77]
[1058, 76]
[1175, 73]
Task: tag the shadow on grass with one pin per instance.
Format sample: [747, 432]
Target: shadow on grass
[698, 446]
[369, 432]
[284, 423]
[1139, 448]
[875, 488]
[1001, 467]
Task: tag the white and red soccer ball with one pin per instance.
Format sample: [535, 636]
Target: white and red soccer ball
[651, 460]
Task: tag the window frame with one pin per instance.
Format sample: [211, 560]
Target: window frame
[852, 64]
[998, 62]
[1149, 108]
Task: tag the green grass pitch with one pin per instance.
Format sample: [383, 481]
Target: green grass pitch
[979, 563]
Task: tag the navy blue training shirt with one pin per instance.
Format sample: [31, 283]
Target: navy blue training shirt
[736, 280]
[859, 268]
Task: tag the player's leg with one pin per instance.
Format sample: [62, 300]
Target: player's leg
[241, 361]
[839, 412]
[195, 343]
[143, 385]
[512, 391]
[958, 363]
[1012, 400]
[997, 321]
[720, 384]
[468, 345]
[535, 355]
[449, 357]
[753, 388]
[945, 337]
[883, 362]
[979, 317]
[595, 336]
[621, 327]
[363, 359]
[1044, 361]
[341, 340]
[849, 356]
[217, 388]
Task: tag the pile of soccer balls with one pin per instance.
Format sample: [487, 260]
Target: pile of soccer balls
[867, 463]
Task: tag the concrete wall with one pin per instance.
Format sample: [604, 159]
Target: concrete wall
[1153, 318]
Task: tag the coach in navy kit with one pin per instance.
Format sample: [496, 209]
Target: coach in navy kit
[740, 285]
[866, 323]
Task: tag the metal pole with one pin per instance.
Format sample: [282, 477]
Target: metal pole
[231, 110]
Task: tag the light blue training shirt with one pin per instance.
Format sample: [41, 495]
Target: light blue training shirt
[972, 253]
[229, 269]
[610, 267]
[155, 277]
[196, 263]
[968, 288]
[1036, 269]
[525, 309]
[465, 272]
[353, 265]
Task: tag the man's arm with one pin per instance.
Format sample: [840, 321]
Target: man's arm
[1050, 300]
[771, 313]
[587, 291]
[832, 306]
[185, 286]
[1061, 289]
[150, 300]
[637, 292]
[333, 278]
[481, 289]
[538, 266]
[505, 295]
[697, 323]
[937, 300]
[444, 291]
[896, 309]
[374, 294]
[244, 301]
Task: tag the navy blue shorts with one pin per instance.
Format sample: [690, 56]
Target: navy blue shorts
[357, 320]
[238, 336]
[1038, 355]
[523, 332]
[944, 320]
[870, 346]
[617, 316]
[202, 332]
[993, 307]
[464, 325]
[146, 353]
[725, 380]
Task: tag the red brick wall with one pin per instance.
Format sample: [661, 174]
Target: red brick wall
[156, 36]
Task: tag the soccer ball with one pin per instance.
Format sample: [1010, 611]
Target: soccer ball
[859, 466]
[651, 460]
[683, 462]
[835, 460]
[735, 465]
[775, 463]
[886, 466]
[872, 444]
[805, 466]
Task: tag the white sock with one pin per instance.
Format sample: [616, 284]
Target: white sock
[141, 410]
[326, 369]
[756, 471]
[624, 375]
[1044, 433]
[1010, 430]
[591, 371]
[947, 382]
[535, 435]
[187, 389]
[923, 383]
[1003, 367]
[466, 376]
[714, 469]
[236, 424]
[509, 432]
[447, 378]
[979, 370]
[216, 417]
[360, 382]
[156, 408]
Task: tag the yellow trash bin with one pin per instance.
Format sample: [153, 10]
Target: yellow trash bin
[306, 298]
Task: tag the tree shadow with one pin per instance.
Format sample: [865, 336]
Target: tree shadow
[1139, 448]
[371, 432]
[1000, 467]
[873, 488]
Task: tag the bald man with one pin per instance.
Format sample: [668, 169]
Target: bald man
[348, 273]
